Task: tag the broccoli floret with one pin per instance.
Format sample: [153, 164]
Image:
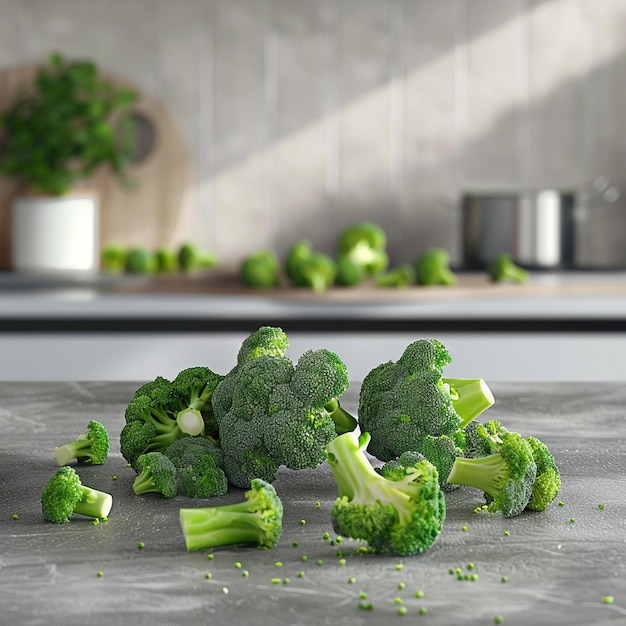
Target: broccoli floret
[393, 513]
[272, 413]
[502, 268]
[399, 277]
[187, 450]
[157, 474]
[548, 481]
[168, 410]
[113, 258]
[64, 494]
[140, 261]
[432, 267]
[90, 447]
[349, 272]
[192, 257]
[260, 270]
[401, 402]
[166, 260]
[305, 267]
[203, 479]
[364, 243]
[506, 476]
[257, 520]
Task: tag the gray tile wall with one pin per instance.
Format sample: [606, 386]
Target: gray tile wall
[302, 116]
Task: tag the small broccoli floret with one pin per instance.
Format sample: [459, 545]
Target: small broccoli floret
[364, 243]
[140, 261]
[432, 267]
[257, 520]
[260, 270]
[395, 513]
[399, 277]
[502, 268]
[90, 447]
[192, 257]
[266, 340]
[157, 474]
[113, 258]
[506, 476]
[187, 450]
[401, 402]
[203, 479]
[349, 272]
[548, 481]
[307, 268]
[166, 260]
[64, 494]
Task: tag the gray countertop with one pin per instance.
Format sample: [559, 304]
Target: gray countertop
[558, 570]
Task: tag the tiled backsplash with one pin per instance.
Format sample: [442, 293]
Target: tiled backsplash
[302, 116]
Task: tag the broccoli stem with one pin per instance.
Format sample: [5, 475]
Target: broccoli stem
[487, 473]
[470, 397]
[76, 449]
[94, 503]
[144, 483]
[344, 421]
[211, 527]
[190, 421]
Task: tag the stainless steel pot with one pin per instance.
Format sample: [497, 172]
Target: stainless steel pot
[535, 227]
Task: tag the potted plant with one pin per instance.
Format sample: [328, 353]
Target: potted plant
[69, 123]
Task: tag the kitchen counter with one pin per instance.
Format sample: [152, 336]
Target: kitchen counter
[560, 563]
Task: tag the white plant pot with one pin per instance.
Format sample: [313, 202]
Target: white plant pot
[53, 234]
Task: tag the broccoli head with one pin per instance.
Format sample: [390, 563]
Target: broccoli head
[401, 402]
[64, 494]
[305, 267]
[113, 258]
[140, 261]
[364, 243]
[432, 267]
[502, 268]
[506, 475]
[157, 474]
[399, 509]
[548, 481]
[257, 521]
[90, 447]
[260, 270]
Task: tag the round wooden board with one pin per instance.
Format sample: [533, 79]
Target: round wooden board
[146, 215]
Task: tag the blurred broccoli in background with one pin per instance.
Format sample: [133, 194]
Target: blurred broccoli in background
[502, 268]
[432, 267]
[260, 270]
[399, 277]
[192, 257]
[362, 246]
[141, 261]
[307, 268]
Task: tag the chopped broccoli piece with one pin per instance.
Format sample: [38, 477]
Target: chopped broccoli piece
[260, 270]
[157, 474]
[307, 268]
[113, 258]
[506, 476]
[399, 277]
[394, 513]
[257, 520]
[272, 413]
[64, 494]
[90, 447]
[432, 267]
[364, 243]
[140, 261]
[502, 268]
[548, 481]
[192, 257]
[401, 402]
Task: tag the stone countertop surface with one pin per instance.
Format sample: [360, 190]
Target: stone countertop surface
[558, 570]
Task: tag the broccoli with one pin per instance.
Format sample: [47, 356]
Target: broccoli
[89, 447]
[364, 244]
[307, 268]
[400, 276]
[401, 402]
[506, 476]
[272, 413]
[64, 494]
[349, 272]
[192, 257]
[166, 260]
[199, 463]
[157, 474]
[113, 258]
[432, 268]
[502, 268]
[393, 511]
[548, 481]
[257, 520]
[260, 270]
[162, 411]
[140, 261]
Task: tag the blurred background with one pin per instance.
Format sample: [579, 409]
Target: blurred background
[299, 117]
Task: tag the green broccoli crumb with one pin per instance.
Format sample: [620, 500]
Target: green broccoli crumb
[341, 562]
[238, 565]
[402, 610]
[286, 581]
[464, 527]
[399, 566]
[278, 563]
[320, 562]
[363, 595]
[245, 573]
[276, 581]
[572, 519]
[419, 593]
[100, 574]
[351, 580]
[210, 556]
[423, 610]
[498, 619]
[294, 544]
[507, 533]
[302, 522]
[300, 574]
[608, 599]
[141, 545]
[601, 506]
[561, 503]
[225, 590]
[505, 579]
[208, 575]
[304, 558]
[366, 606]
[318, 505]
[401, 585]
[326, 536]
[16, 516]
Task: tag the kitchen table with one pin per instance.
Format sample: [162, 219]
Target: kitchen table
[553, 567]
